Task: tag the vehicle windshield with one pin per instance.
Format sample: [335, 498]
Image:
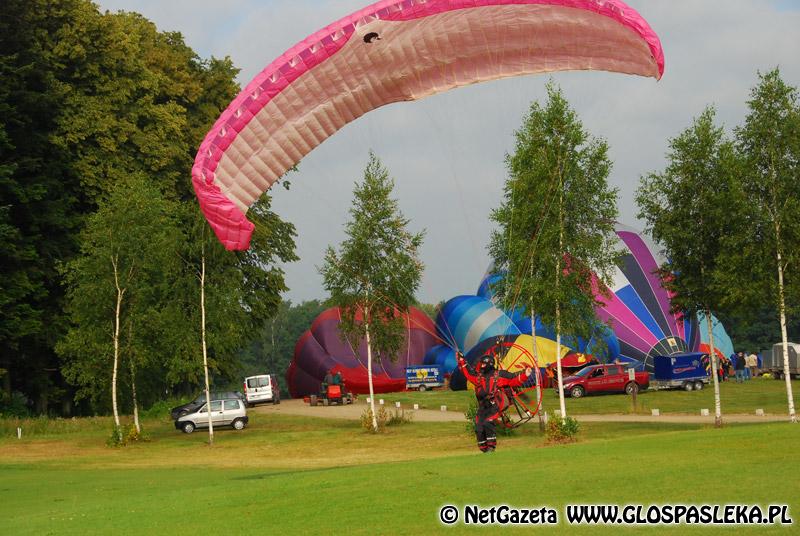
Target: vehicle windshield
[258, 381]
[585, 371]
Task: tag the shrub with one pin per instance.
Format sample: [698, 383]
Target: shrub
[133, 435]
[382, 417]
[14, 405]
[125, 435]
[469, 414]
[399, 417]
[160, 410]
[561, 429]
[117, 437]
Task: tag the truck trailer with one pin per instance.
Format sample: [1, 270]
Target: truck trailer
[772, 361]
[679, 371]
[423, 377]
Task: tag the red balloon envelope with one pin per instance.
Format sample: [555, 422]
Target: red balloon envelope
[321, 349]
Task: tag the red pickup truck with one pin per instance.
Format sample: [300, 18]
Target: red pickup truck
[604, 379]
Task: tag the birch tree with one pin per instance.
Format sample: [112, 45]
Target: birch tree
[128, 254]
[766, 247]
[375, 272]
[556, 223]
[688, 210]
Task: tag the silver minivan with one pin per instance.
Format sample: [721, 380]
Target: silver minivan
[230, 412]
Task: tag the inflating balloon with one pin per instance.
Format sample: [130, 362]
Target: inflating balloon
[638, 314]
[321, 350]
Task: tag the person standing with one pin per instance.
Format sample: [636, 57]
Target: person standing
[752, 364]
[489, 383]
[739, 367]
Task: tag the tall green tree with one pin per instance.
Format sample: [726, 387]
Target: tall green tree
[128, 261]
[765, 250]
[556, 223]
[687, 209]
[38, 196]
[376, 271]
[88, 100]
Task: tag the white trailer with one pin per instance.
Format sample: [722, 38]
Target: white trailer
[772, 361]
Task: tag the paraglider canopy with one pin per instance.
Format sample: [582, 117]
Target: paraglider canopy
[392, 51]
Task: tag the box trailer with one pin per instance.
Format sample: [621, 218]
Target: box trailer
[772, 361]
[423, 377]
[679, 371]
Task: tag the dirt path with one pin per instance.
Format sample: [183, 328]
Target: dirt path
[353, 412]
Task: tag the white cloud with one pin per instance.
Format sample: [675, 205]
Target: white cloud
[447, 152]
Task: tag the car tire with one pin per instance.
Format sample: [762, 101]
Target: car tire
[422, 388]
[688, 386]
[312, 400]
[631, 387]
[187, 427]
[239, 424]
[577, 392]
[698, 386]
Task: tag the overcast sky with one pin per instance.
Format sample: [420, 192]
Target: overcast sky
[446, 152]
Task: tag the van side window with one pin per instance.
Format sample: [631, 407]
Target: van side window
[231, 404]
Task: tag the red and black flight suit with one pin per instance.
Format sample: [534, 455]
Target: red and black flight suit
[489, 384]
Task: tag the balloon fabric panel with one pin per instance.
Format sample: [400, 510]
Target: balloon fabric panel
[391, 52]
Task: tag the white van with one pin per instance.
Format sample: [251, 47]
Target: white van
[261, 389]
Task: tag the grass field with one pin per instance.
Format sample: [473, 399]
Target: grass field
[293, 475]
[743, 398]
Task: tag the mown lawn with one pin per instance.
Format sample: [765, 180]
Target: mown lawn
[291, 475]
[743, 398]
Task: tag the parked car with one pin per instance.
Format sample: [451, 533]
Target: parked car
[195, 404]
[261, 389]
[604, 379]
[224, 412]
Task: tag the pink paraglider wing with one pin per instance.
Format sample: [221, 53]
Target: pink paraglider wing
[398, 51]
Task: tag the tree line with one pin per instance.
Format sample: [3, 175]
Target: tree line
[100, 117]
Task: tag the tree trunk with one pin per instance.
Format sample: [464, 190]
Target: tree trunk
[120, 294]
[784, 338]
[561, 401]
[135, 402]
[205, 351]
[129, 351]
[536, 364]
[272, 341]
[369, 372]
[714, 368]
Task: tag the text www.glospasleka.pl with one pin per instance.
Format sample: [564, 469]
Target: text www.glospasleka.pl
[609, 514]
